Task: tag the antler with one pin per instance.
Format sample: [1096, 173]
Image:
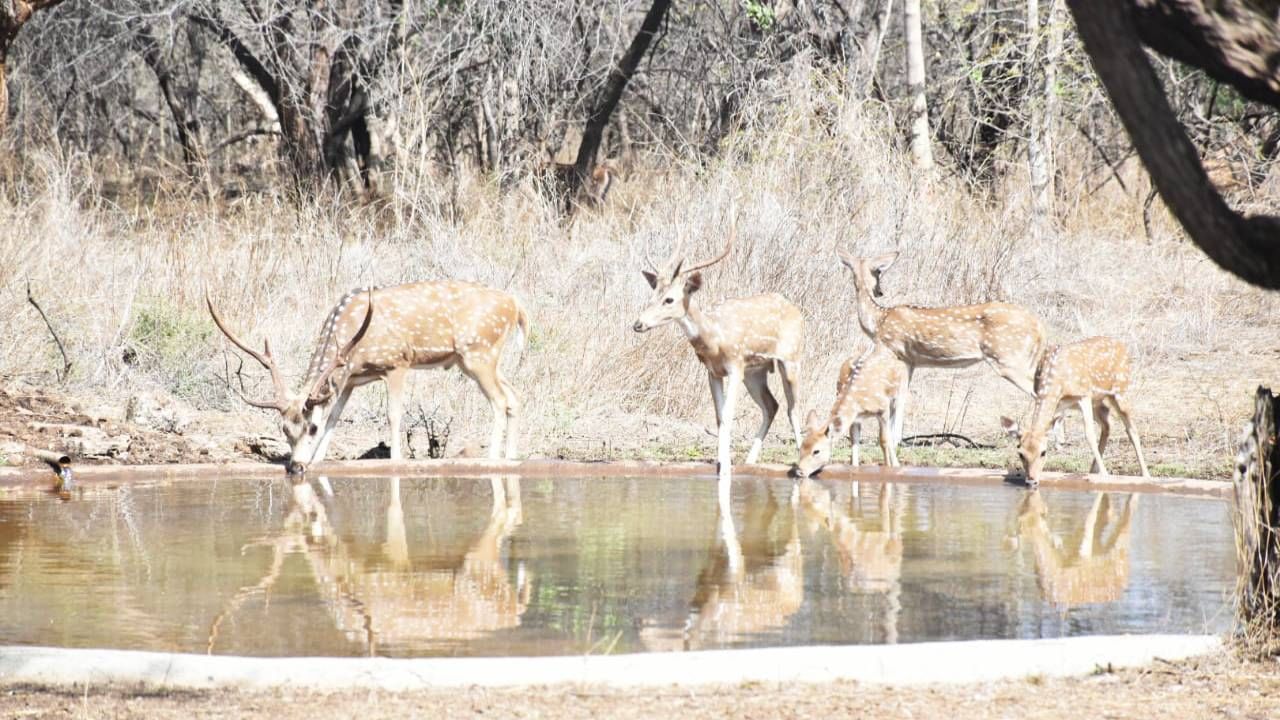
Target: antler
[733, 235]
[264, 357]
[321, 390]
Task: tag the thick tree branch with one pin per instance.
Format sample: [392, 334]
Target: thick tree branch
[1248, 247]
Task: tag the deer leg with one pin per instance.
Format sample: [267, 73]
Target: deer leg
[725, 440]
[900, 406]
[717, 395]
[1103, 415]
[887, 447]
[1091, 526]
[757, 383]
[513, 411]
[789, 374]
[330, 422]
[855, 439]
[1091, 436]
[395, 408]
[485, 375]
[1122, 409]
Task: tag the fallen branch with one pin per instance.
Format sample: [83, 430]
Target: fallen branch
[66, 361]
[935, 439]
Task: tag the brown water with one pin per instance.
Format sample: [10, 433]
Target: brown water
[477, 567]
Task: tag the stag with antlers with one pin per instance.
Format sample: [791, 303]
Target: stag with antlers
[415, 326]
[741, 340]
[1007, 337]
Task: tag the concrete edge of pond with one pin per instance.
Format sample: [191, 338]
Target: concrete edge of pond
[36, 477]
[910, 664]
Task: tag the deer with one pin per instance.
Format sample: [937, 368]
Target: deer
[563, 181]
[741, 340]
[869, 386]
[437, 324]
[1007, 337]
[1092, 374]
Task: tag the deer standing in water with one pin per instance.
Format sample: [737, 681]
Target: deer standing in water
[1007, 337]
[868, 387]
[1092, 374]
[416, 326]
[741, 340]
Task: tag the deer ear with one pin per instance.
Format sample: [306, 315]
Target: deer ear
[1011, 427]
[651, 278]
[693, 283]
[847, 260]
[836, 427]
[880, 263]
[812, 421]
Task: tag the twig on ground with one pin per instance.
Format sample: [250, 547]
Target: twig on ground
[935, 439]
[66, 361]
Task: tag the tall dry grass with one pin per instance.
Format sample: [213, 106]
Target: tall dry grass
[813, 172]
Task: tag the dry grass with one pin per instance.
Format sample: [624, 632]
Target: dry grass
[813, 172]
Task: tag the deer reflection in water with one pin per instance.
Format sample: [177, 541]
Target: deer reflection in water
[869, 550]
[1093, 570]
[747, 587]
[385, 606]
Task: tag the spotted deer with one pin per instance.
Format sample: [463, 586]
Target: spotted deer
[869, 386]
[382, 334]
[1007, 337]
[1092, 374]
[592, 190]
[741, 340]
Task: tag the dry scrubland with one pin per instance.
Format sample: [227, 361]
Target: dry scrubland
[123, 281]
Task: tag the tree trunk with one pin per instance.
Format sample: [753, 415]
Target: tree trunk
[615, 85]
[921, 151]
[1041, 68]
[1257, 488]
[1245, 246]
[870, 59]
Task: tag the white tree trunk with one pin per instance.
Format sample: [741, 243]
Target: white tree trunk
[1042, 70]
[921, 151]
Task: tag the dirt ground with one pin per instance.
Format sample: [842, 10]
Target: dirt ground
[1218, 686]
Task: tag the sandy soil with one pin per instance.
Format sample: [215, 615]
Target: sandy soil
[1218, 686]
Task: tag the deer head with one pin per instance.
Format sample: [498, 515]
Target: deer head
[674, 285]
[303, 414]
[1032, 448]
[867, 270]
[815, 451]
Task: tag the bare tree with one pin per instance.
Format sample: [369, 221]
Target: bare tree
[1041, 68]
[921, 149]
[13, 15]
[1231, 41]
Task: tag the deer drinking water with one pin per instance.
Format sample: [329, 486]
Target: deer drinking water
[741, 340]
[869, 386]
[1093, 374]
[382, 334]
[1007, 337]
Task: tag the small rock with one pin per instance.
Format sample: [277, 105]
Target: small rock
[158, 412]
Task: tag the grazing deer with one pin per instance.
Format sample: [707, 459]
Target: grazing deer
[592, 190]
[418, 325]
[741, 340]
[1092, 374]
[868, 387]
[1007, 337]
